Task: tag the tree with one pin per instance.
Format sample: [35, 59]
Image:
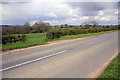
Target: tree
[90, 23]
[26, 27]
[42, 26]
[94, 23]
[85, 23]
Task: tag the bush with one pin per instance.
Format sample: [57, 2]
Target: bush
[13, 38]
[58, 34]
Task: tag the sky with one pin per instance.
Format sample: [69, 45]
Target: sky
[73, 12]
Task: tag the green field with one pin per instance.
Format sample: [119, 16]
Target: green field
[32, 39]
[113, 69]
[39, 38]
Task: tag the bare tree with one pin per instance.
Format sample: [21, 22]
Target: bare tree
[90, 23]
[86, 23]
[44, 26]
[27, 24]
[26, 27]
[94, 23]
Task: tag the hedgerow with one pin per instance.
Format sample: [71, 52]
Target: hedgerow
[60, 33]
[13, 38]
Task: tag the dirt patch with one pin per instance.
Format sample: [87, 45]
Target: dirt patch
[100, 70]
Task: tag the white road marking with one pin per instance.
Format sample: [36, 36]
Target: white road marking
[33, 60]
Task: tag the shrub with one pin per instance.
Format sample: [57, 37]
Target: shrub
[13, 38]
[58, 34]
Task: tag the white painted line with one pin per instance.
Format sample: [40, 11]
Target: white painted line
[33, 60]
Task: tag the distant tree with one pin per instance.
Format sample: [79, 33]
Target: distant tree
[42, 26]
[86, 23]
[94, 23]
[66, 25]
[90, 23]
[26, 28]
[61, 26]
[27, 24]
[38, 27]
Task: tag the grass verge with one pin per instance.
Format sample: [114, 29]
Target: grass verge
[39, 39]
[112, 71]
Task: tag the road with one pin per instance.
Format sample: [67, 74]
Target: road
[72, 59]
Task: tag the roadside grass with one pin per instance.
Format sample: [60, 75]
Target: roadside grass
[39, 39]
[113, 70]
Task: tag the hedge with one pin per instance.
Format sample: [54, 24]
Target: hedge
[60, 33]
[13, 38]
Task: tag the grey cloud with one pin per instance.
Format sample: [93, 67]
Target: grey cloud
[16, 0]
[5, 3]
[92, 8]
[85, 5]
[28, 12]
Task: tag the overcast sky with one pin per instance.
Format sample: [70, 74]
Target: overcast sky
[58, 11]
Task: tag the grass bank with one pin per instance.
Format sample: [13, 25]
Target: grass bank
[113, 70]
[39, 39]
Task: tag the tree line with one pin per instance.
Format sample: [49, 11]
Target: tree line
[38, 27]
[17, 33]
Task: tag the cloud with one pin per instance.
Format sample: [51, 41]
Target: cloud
[102, 12]
[58, 12]
[17, 11]
[91, 8]
[107, 15]
[74, 12]
[34, 10]
[106, 18]
[51, 14]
